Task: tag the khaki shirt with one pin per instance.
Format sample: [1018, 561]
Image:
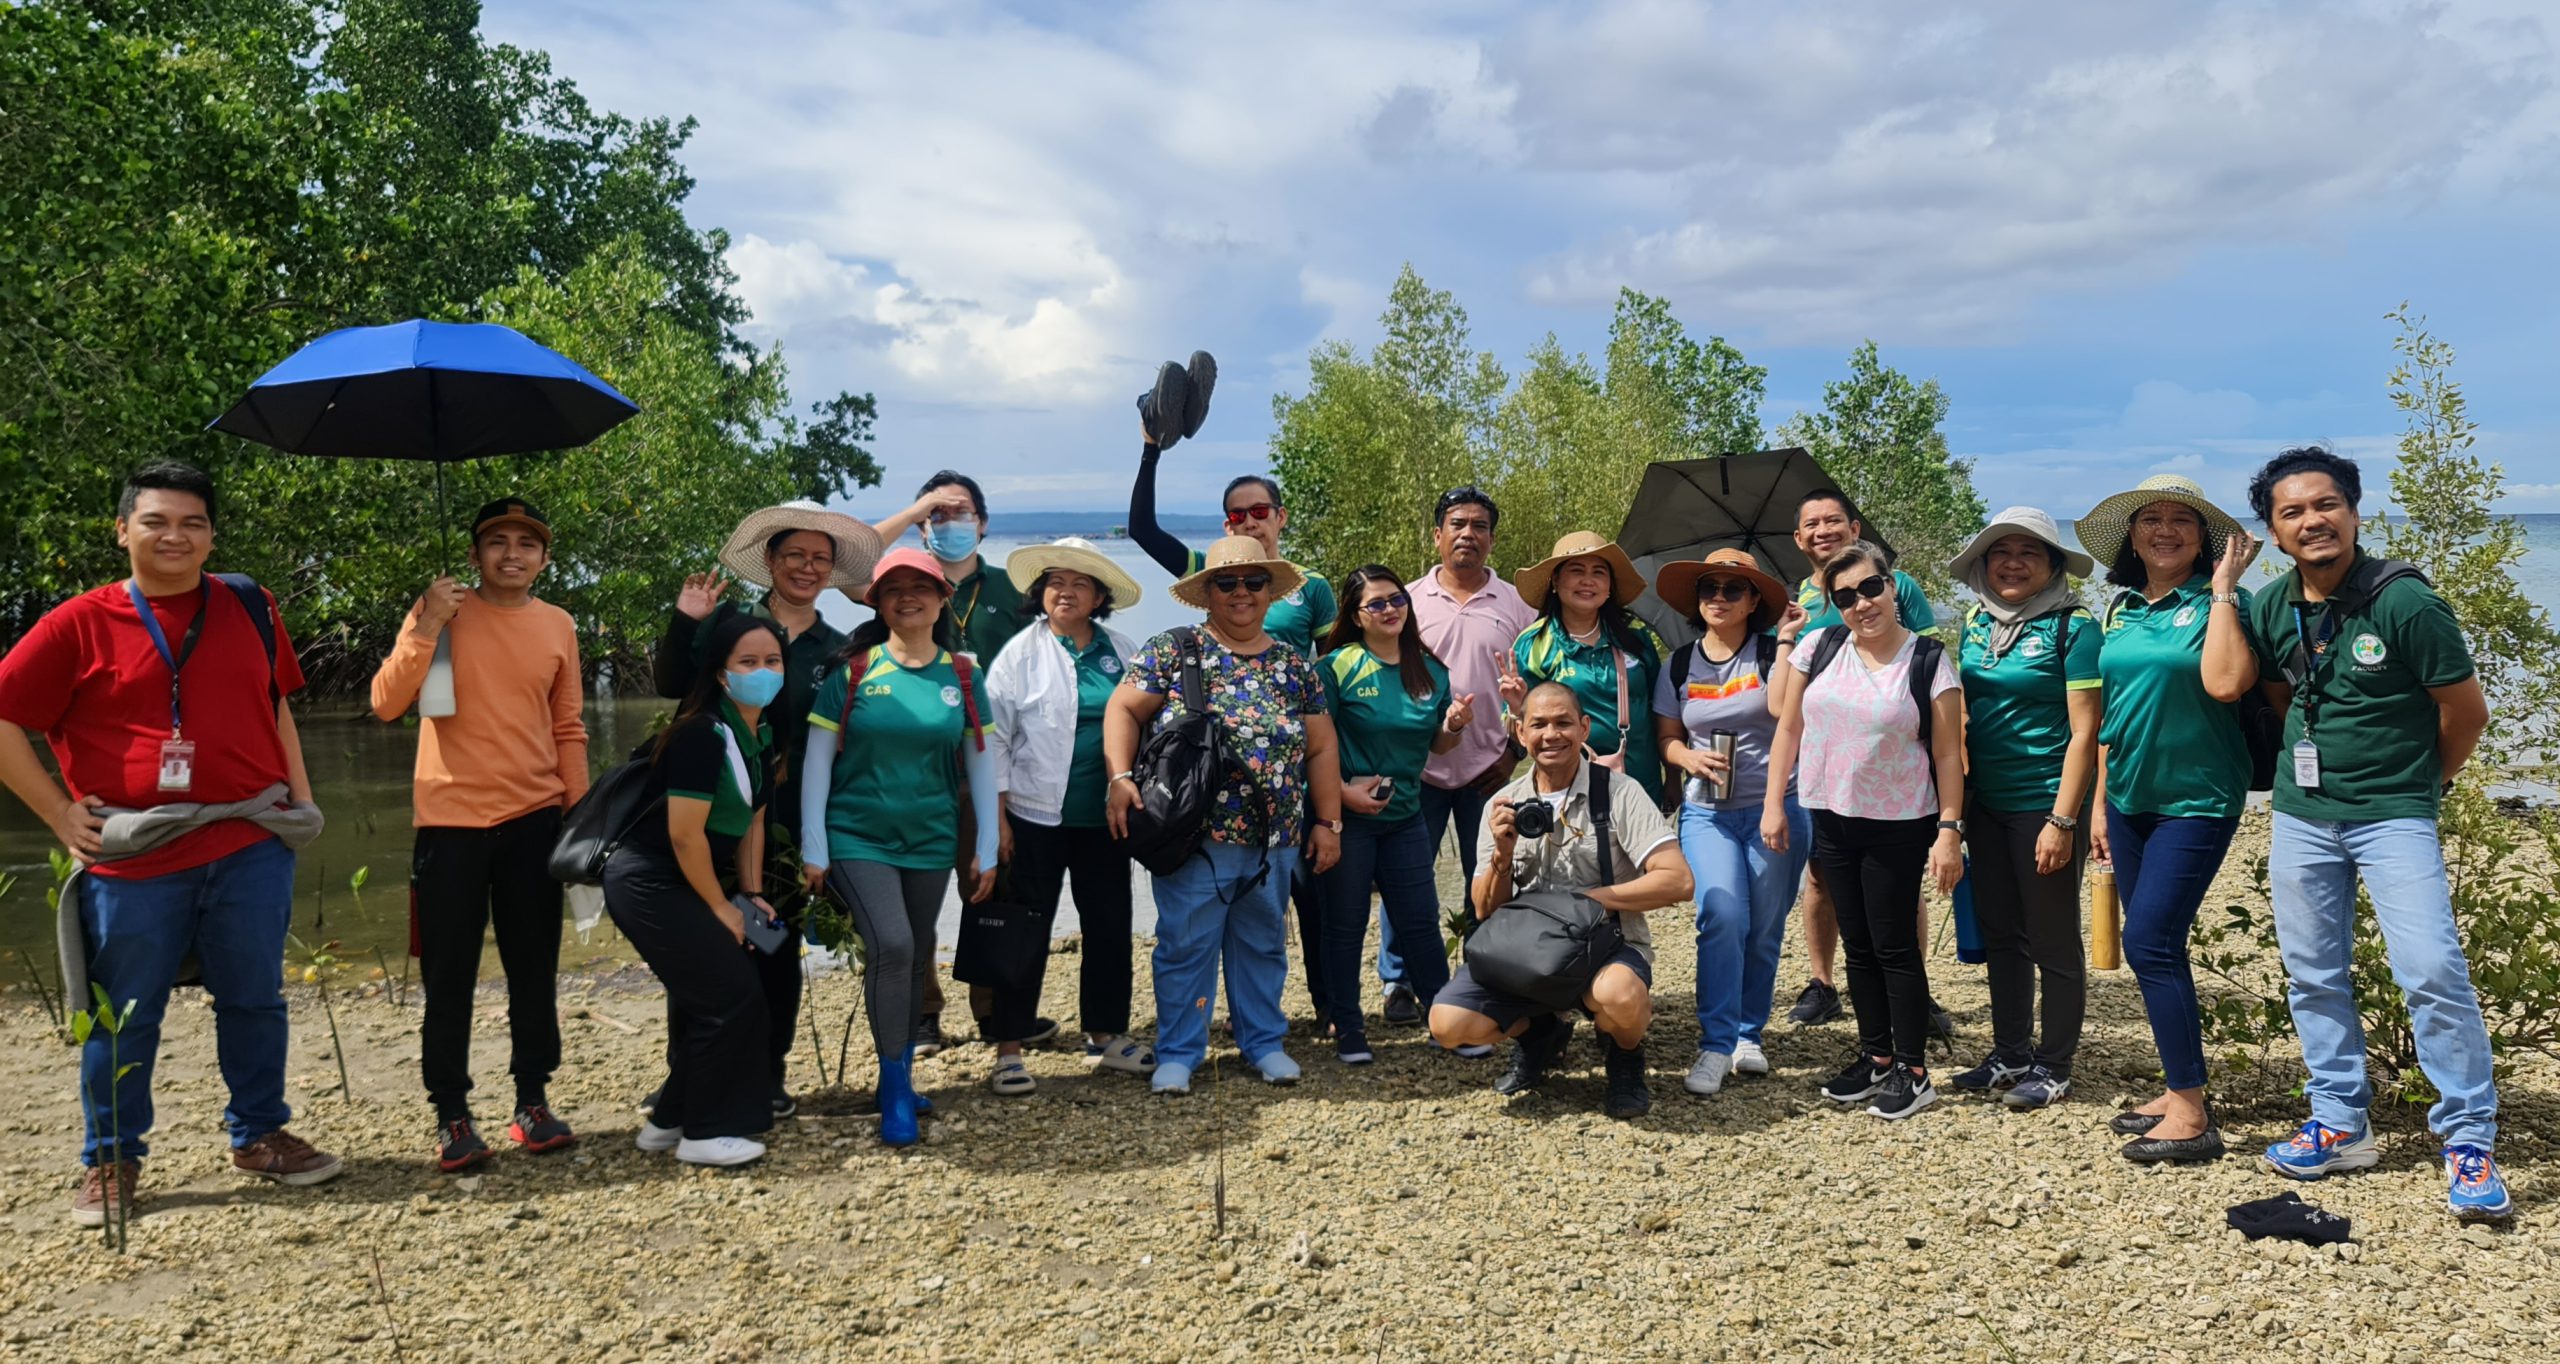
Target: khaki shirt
[1569, 858]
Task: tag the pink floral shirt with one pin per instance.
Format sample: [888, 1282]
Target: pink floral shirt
[1861, 755]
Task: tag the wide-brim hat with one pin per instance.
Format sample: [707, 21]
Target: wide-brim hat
[858, 547]
[1625, 584]
[908, 558]
[2026, 521]
[2103, 530]
[1229, 554]
[1677, 584]
[1076, 555]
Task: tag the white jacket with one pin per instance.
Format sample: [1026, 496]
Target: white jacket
[1032, 687]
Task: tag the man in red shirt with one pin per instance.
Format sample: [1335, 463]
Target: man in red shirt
[159, 692]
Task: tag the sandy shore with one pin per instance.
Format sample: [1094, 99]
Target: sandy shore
[1395, 1212]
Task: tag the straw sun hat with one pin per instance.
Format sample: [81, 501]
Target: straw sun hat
[1233, 554]
[858, 547]
[2102, 532]
[1074, 555]
[1625, 584]
[1677, 584]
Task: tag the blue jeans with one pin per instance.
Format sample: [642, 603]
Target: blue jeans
[1438, 805]
[1396, 859]
[1744, 892]
[232, 912]
[1203, 914]
[2314, 865]
[2164, 865]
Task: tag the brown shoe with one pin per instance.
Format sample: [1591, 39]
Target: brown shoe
[100, 1185]
[286, 1159]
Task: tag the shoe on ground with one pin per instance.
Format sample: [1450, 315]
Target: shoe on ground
[100, 1188]
[655, 1138]
[1902, 1094]
[2041, 1088]
[2317, 1150]
[2203, 1146]
[1122, 1053]
[1011, 1078]
[1996, 1072]
[537, 1129]
[929, 1038]
[1942, 1025]
[458, 1145]
[1532, 1053]
[1820, 1003]
[1403, 1007]
[1707, 1073]
[1749, 1059]
[1858, 1080]
[1277, 1068]
[649, 1102]
[1472, 1051]
[2474, 1189]
[286, 1159]
[1628, 1096]
[783, 1104]
[2132, 1123]
[1352, 1049]
[1171, 1077]
[721, 1151]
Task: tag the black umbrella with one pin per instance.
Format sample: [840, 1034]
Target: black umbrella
[1686, 507]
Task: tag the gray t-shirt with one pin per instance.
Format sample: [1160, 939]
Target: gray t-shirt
[1569, 858]
[1729, 695]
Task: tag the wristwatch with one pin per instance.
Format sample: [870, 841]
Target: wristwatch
[2065, 823]
[2232, 598]
[1333, 824]
[1955, 824]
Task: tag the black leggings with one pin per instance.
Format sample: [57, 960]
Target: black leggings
[1873, 869]
[2030, 928]
[717, 1081]
[893, 909]
[1045, 859]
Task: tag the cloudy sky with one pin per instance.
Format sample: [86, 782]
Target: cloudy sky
[2126, 238]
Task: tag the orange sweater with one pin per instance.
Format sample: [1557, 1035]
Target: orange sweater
[516, 741]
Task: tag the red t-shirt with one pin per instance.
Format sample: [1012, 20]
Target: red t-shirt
[89, 679]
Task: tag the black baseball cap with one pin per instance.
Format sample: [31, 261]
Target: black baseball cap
[511, 510]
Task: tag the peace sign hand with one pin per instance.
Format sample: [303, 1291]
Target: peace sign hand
[1462, 713]
[1514, 690]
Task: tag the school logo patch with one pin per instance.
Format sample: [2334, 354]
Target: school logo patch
[1110, 665]
[2033, 647]
[1296, 597]
[2368, 651]
[2186, 616]
[951, 697]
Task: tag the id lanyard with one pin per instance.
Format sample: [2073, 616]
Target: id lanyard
[177, 753]
[2306, 754]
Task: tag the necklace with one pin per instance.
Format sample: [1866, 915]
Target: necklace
[1579, 638]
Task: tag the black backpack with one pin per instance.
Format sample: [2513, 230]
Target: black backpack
[604, 818]
[1179, 770]
[1547, 945]
[1926, 651]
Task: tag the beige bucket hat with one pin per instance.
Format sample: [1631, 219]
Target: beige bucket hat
[858, 547]
[1230, 554]
[1076, 555]
[2025, 521]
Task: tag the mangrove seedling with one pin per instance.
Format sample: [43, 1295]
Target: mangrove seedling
[105, 1017]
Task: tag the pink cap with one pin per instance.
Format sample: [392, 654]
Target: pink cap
[896, 559]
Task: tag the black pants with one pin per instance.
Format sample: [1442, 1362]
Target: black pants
[718, 1084]
[1045, 859]
[1873, 868]
[1309, 899]
[462, 881]
[2030, 927]
[780, 974]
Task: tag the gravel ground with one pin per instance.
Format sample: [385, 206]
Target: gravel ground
[1396, 1212]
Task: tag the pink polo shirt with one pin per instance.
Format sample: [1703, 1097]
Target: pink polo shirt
[1471, 637]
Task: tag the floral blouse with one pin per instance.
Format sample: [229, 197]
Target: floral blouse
[1261, 703]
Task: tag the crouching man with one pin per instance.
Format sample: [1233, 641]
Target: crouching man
[1566, 856]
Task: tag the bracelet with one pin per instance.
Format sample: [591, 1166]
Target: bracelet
[1128, 776]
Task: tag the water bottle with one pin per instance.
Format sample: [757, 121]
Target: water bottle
[2106, 930]
[1968, 932]
[435, 696]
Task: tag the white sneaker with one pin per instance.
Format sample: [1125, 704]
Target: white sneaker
[1748, 1059]
[1472, 1051]
[1277, 1068]
[655, 1138]
[1124, 1053]
[1707, 1075]
[719, 1151]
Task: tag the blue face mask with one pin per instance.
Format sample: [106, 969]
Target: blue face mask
[952, 541]
[756, 688]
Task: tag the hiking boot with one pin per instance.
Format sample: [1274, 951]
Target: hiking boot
[458, 1145]
[1628, 1097]
[101, 1186]
[537, 1130]
[1403, 1007]
[1819, 1003]
[286, 1159]
[1532, 1053]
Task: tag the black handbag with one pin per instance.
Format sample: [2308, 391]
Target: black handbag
[1547, 945]
[1179, 769]
[1001, 945]
[603, 819]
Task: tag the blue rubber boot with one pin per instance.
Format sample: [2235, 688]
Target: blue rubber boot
[898, 1100]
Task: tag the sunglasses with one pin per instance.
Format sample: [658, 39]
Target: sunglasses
[1873, 587]
[1259, 511]
[1723, 589]
[1250, 582]
[1393, 601]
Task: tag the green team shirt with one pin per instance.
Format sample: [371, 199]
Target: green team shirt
[1295, 619]
[1910, 604]
[2171, 748]
[1088, 786]
[1545, 653]
[2017, 708]
[894, 795]
[985, 611]
[2366, 704]
[1382, 729]
[697, 766]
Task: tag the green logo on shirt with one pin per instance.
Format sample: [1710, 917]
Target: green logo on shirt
[2186, 616]
[951, 696]
[2032, 647]
[2368, 650]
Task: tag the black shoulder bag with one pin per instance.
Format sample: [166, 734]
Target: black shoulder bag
[1547, 945]
[1179, 769]
[602, 820]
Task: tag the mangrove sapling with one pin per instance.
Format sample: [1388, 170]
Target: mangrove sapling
[1217, 1128]
[105, 1017]
[355, 887]
[318, 962]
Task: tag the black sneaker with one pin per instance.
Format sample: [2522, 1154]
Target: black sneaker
[1042, 1030]
[649, 1102]
[537, 1130]
[461, 1146]
[1532, 1053]
[1403, 1009]
[783, 1104]
[1818, 1004]
[1942, 1025]
[1859, 1079]
[1352, 1049]
[1995, 1072]
[929, 1040]
[1902, 1095]
[1628, 1097]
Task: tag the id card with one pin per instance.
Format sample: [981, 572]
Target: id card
[178, 765]
[2306, 765]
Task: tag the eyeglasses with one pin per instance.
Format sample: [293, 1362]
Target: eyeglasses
[1393, 601]
[943, 516]
[1250, 582]
[1259, 511]
[1873, 587]
[1723, 589]
[801, 558]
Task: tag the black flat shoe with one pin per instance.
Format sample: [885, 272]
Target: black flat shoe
[2206, 1145]
[2134, 1124]
[1166, 407]
[1203, 372]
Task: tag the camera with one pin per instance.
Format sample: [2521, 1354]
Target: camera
[1533, 819]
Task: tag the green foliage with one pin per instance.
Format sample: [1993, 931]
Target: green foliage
[104, 1019]
[1878, 435]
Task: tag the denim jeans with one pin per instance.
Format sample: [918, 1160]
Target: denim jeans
[1744, 892]
[1396, 860]
[1439, 804]
[233, 913]
[2314, 865]
[1205, 913]
[2164, 865]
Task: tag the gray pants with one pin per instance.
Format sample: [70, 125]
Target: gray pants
[2030, 928]
[893, 910]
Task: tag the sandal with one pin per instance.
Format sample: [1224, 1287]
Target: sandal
[1011, 1078]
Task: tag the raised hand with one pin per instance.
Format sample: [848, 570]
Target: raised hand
[1462, 712]
[436, 607]
[1791, 623]
[2237, 552]
[701, 595]
[1514, 690]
